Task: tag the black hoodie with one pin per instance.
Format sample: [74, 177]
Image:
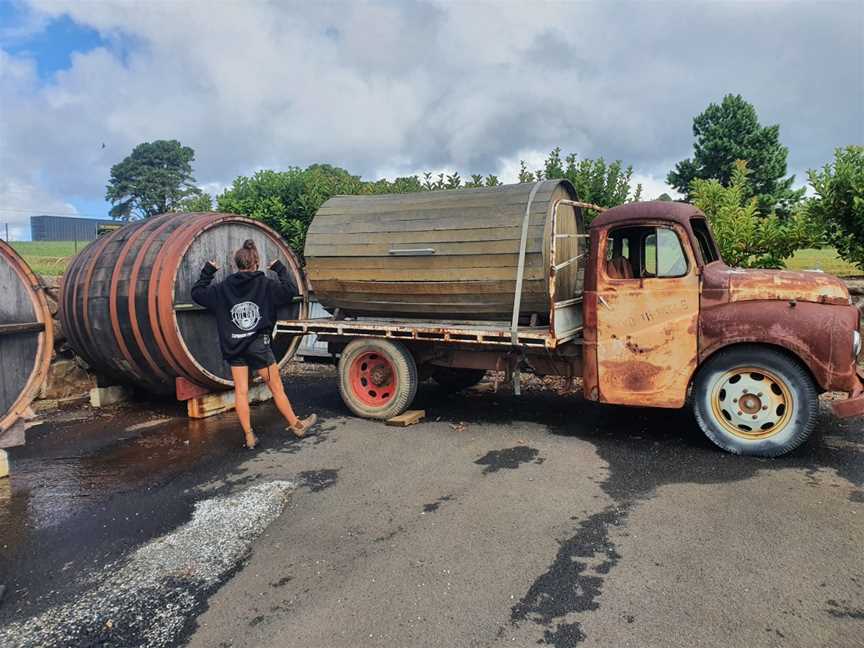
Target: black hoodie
[244, 303]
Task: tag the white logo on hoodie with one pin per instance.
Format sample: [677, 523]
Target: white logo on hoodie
[245, 315]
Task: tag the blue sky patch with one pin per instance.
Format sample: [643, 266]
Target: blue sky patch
[52, 48]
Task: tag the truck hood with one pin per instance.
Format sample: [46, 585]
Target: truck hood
[749, 285]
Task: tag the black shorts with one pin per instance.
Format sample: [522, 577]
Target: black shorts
[258, 355]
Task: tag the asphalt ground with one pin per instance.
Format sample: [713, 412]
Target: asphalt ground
[500, 520]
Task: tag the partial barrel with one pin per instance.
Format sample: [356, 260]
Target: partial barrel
[26, 337]
[448, 254]
[126, 305]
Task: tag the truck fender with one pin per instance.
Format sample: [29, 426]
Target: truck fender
[815, 334]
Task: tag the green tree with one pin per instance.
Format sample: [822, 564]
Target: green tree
[406, 184]
[200, 203]
[475, 181]
[155, 178]
[839, 202]
[746, 238]
[453, 181]
[731, 131]
[606, 185]
[287, 200]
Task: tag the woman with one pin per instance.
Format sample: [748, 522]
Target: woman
[245, 306]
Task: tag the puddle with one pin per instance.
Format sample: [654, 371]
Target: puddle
[51, 481]
[509, 459]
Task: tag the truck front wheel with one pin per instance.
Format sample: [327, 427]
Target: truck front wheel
[377, 378]
[753, 400]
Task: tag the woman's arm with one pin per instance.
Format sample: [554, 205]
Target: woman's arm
[284, 290]
[203, 293]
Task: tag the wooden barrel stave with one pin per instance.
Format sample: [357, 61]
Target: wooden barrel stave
[120, 301]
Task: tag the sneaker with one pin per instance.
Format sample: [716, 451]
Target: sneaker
[303, 429]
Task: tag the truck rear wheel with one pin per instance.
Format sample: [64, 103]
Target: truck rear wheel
[753, 400]
[454, 379]
[377, 378]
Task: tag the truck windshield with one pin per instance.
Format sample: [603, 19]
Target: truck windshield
[707, 248]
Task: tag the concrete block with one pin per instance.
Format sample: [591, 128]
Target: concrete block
[4, 464]
[218, 402]
[102, 396]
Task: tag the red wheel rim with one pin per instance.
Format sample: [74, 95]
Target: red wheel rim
[373, 379]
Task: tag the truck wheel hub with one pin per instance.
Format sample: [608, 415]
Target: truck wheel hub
[372, 378]
[751, 402]
[380, 375]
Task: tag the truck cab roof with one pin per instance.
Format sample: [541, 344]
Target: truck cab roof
[653, 210]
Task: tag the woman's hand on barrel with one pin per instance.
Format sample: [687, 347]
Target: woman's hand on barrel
[212, 262]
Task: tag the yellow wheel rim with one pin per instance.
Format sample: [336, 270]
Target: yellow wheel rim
[751, 402]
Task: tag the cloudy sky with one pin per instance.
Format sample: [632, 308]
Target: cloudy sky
[392, 88]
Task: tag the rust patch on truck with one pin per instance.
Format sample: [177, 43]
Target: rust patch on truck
[633, 375]
[722, 284]
[749, 285]
[633, 347]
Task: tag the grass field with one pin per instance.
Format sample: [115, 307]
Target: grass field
[51, 258]
[48, 257]
[825, 259]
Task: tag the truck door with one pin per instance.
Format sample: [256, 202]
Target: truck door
[647, 314]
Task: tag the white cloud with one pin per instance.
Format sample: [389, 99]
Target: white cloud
[508, 169]
[398, 88]
[653, 187]
[19, 201]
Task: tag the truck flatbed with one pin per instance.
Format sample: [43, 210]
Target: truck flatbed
[457, 332]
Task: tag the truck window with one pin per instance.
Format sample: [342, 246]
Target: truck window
[664, 256]
[620, 250]
[640, 252]
[707, 248]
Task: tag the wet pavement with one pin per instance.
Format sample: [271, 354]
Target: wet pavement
[535, 520]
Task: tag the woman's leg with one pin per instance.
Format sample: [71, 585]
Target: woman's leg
[274, 383]
[240, 375]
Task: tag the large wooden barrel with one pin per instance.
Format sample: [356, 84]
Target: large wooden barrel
[445, 254]
[26, 337]
[126, 305]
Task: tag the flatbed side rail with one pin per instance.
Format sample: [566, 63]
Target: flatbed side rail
[538, 337]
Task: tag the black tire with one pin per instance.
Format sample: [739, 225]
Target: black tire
[754, 400]
[453, 379]
[400, 379]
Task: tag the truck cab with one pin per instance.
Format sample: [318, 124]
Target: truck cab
[666, 321]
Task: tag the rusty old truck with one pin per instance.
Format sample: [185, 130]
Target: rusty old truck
[639, 305]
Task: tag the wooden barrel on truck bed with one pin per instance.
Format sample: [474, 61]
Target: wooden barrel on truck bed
[445, 254]
[26, 337]
[126, 305]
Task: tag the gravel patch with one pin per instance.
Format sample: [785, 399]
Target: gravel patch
[148, 598]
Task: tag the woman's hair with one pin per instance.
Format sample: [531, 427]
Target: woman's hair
[246, 258]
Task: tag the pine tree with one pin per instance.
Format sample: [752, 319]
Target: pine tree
[729, 132]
